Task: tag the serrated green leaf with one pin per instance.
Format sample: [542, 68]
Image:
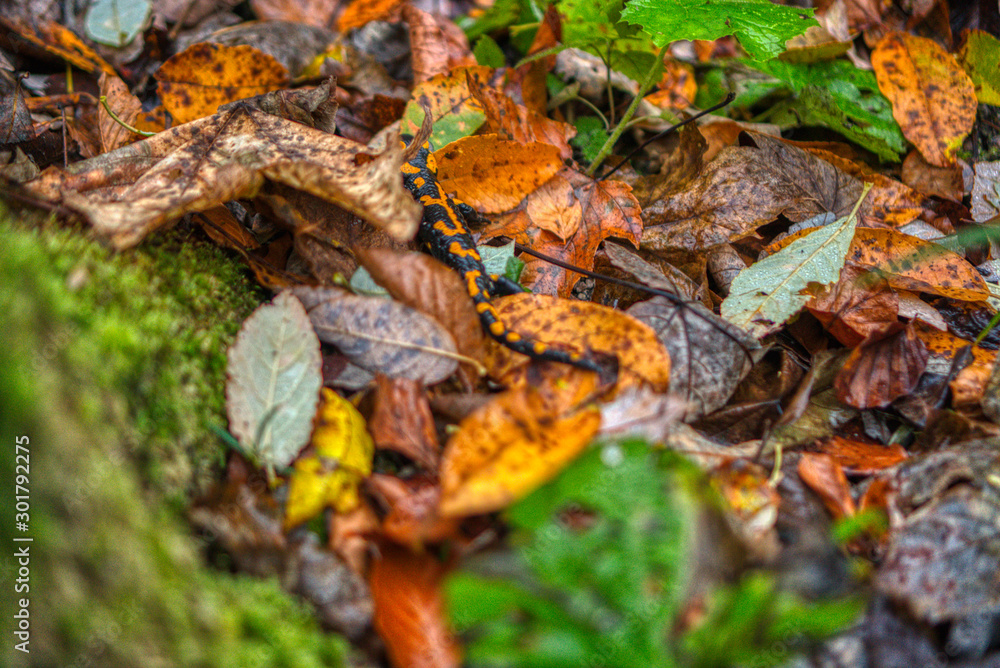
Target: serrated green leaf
[760, 26]
[117, 22]
[839, 96]
[590, 136]
[764, 296]
[273, 381]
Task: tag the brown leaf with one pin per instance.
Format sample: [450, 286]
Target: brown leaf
[933, 99]
[401, 421]
[15, 118]
[985, 200]
[517, 122]
[823, 475]
[204, 76]
[61, 42]
[944, 182]
[437, 46]
[492, 174]
[744, 188]
[862, 457]
[857, 306]
[518, 441]
[318, 13]
[709, 356]
[130, 192]
[380, 335]
[582, 327]
[125, 105]
[969, 384]
[409, 609]
[606, 209]
[359, 12]
[413, 518]
[882, 369]
[423, 283]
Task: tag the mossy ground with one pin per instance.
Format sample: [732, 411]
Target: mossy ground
[114, 366]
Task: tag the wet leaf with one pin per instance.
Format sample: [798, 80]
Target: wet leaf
[986, 191]
[581, 327]
[884, 367]
[980, 55]
[515, 443]
[125, 105]
[329, 477]
[198, 80]
[969, 384]
[60, 42]
[933, 100]
[858, 305]
[519, 123]
[492, 174]
[822, 474]
[862, 457]
[409, 609]
[273, 381]
[380, 335]
[765, 295]
[454, 111]
[359, 12]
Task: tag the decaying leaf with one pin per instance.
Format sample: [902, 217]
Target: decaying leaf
[409, 609]
[516, 121]
[437, 45]
[764, 296]
[128, 193]
[197, 81]
[862, 457]
[125, 105]
[979, 55]
[822, 474]
[515, 443]
[933, 99]
[273, 381]
[381, 335]
[858, 305]
[584, 327]
[455, 113]
[401, 421]
[884, 367]
[329, 477]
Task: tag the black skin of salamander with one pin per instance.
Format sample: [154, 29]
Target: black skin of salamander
[444, 232]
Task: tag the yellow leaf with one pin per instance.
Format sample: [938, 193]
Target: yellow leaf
[330, 476]
[515, 443]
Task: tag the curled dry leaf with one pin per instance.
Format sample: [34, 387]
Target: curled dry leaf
[518, 441]
[128, 193]
[381, 335]
[823, 475]
[584, 327]
[125, 105]
[273, 381]
[933, 99]
[409, 609]
[197, 81]
[882, 368]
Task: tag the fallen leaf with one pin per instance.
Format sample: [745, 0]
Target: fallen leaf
[604, 209]
[492, 174]
[273, 381]
[402, 422]
[130, 192]
[197, 81]
[584, 327]
[519, 123]
[409, 609]
[862, 457]
[823, 475]
[329, 477]
[125, 105]
[979, 55]
[883, 368]
[744, 188]
[60, 42]
[518, 441]
[933, 100]
[380, 335]
[318, 13]
[969, 384]
[360, 12]
[944, 182]
[765, 295]
[437, 46]
[860, 304]
[454, 112]
[986, 191]
[413, 519]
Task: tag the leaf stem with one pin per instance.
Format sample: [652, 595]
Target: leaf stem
[651, 77]
[114, 117]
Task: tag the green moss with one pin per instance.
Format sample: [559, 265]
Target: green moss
[114, 366]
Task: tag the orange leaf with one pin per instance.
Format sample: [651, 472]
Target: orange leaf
[862, 457]
[969, 384]
[858, 305]
[607, 208]
[409, 609]
[448, 98]
[196, 81]
[933, 99]
[517, 122]
[401, 420]
[582, 327]
[823, 475]
[909, 263]
[492, 174]
[515, 443]
[60, 42]
[125, 105]
[360, 12]
[436, 45]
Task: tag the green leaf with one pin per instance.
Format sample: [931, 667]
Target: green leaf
[273, 381]
[590, 136]
[764, 296]
[117, 22]
[761, 26]
[839, 96]
[501, 14]
[980, 55]
[488, 53]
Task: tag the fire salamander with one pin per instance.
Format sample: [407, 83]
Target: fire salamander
[443, 231]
